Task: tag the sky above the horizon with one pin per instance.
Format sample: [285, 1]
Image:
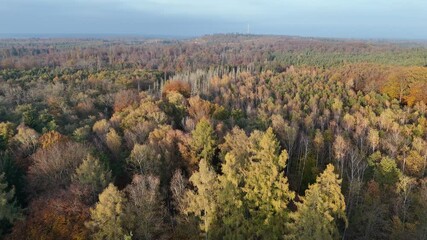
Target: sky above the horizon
[401, 19]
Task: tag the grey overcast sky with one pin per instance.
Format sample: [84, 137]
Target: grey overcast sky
[401, 19]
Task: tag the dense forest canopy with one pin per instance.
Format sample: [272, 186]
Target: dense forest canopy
[218, 137]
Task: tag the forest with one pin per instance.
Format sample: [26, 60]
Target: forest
[226, 136]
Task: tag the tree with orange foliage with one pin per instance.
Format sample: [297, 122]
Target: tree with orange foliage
[58, 216]
[125, 98]
[417, 92]
[181, 87]
[50, 138]
[199, 108]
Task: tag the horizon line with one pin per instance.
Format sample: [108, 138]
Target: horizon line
[11, 36]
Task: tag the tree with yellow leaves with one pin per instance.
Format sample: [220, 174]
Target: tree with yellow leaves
[114, 142]
[108, 216]
[202, 202]
[6, 134]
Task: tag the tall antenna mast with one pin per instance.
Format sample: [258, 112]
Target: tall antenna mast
[247, 31]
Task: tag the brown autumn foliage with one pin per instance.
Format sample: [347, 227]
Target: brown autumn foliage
[85, 107]
[50, 138]
[60, 216]
[199, 108]
[179, 86]
[124, 99]
[53, 167]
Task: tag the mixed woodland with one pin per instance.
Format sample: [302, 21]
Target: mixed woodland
[218, 137]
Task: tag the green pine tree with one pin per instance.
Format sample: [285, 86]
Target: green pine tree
[203, 143]
[202, 202]
[266, 189]
[9, 211]
[93, 174]
[320, 209]
[231, 199]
